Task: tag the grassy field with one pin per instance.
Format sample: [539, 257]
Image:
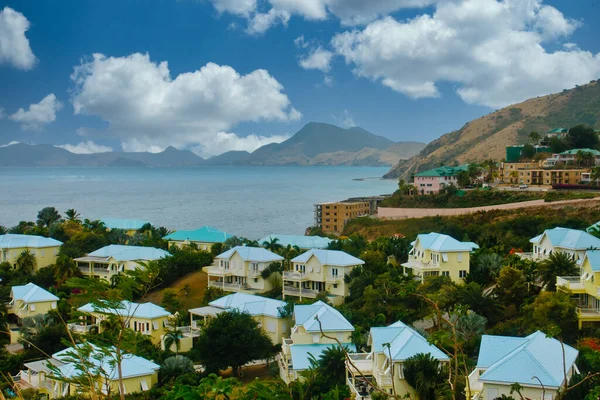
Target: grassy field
[197, 282]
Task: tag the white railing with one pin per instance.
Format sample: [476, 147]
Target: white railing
[358, 395]
[416, 263]
[218, 271]
[362, 361]
[333, 278]
[570, 282]
[230, 286]
[294, 275]
[588, 310]
[189, 331]
[383, 378]
[253, 273]
[292, 291]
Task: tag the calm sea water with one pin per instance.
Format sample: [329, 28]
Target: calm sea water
[247, 201]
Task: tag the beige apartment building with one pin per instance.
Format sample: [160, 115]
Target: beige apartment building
[332, 217]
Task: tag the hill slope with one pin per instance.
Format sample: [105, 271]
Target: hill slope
[488, 136]
[325, 144]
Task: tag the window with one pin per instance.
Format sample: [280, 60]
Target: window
[53, 305]
[32, 307]
[445, 257]
[462, 273]
[459, 257]
[445, 273]
[334, 272]
[254, 266]
[271, 326]
[42, 252]
[155, 325]
[335, 285]
[315, 338]
[144, 385]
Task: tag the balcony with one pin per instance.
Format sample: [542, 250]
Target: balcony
[25, 380]
[416, 263]
[254, 273]
[188, 331]
[383, 378]
[295, 276]
[299, 292]
[362, 361]
[589, 312]
[81, 329]
[218, 271]
[572, 283]
[333, 278]
[232, 287]
[475, 385]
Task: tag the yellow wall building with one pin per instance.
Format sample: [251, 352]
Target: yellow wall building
[306, 338]
[436, 254]
[27, 301]
[320, 271]
[332, 217]
[146, 318]
[573, 242]
[534, 174]
[45, 250]
[239, 270]
[138, 373]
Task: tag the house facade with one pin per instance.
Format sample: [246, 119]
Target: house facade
[138, 374]
[573, 242]
[302, 242]
[318, 271]
[332, 217]
[306, 338]
[535, 362]
[239, 270]
[383, 366]
[203, 238]
[433, 180]
[45, 250]
[111, 260]
[435, 254]
[146, 318]
[27, 301]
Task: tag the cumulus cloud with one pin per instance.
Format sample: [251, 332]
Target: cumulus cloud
[38, 114]
[350, 12]
[9, 143]
[148, 109]
[223, 142]
[493, 50]
[85, 147]
[14, 45]
[318, 58]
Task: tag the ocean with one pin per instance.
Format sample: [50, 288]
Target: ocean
[246, 201]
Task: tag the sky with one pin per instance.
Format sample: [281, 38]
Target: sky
[219, 75]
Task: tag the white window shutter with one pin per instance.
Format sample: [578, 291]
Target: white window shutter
[32, 307]
[144, 385]
[155, 325]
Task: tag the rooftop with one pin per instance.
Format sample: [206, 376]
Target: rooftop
[575, 151]
[14, 241]
[253, 305]
[329, 257]
[404, 342]
[247, 253]
[303, 242]
[444, 171]
[513, 359]
[330, 318]
[31, 293]
[128, 309]
[127, 253]
[566, 238]
[593, 257]
[440, 242]
[206, 234]
[125, 224]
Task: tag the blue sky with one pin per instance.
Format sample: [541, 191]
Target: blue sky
[241, 73]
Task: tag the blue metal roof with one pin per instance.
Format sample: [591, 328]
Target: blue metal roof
[129, 253]
[131, 365]
[511, 359]
[572, 239]
[14, 241]
[31, 293]
[247, 253]
[329, 257]
[593, 257]
[404, 342]
[331, 319]
[129, 309]
[206, 234]
[253, 305]
[123, 223]
[440, 242]
[303, 242]
[300, 353]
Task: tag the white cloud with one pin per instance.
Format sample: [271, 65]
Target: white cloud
[149, 110]
[300, 42]
[492, 49]
[9, 143]
[38, 114]
[223, 142]
[345, 120]
[14, 45]
[328, 80]
[318, 58]
[85, 147]
[350, 12]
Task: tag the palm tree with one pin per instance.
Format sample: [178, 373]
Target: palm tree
[73, 215]
[173, 337]
[175, 366]
[26, 262]
[557, 264]
[47, 216]
[421, 371]
[332, 364]
[534, 137]
[595, 175]
[473, 296]
[290, 252]
[162, 231]
[65, 268]
[491, 263]
[3, 230]
[272, 245]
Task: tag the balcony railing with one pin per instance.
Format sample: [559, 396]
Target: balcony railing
[360, 392]
[416, 263]
[254, 273]
[333, 278]
[188, 331]
[229, 286]
[570, 282]
[383, 378]
[218, 271]
[588, 311]
[474, 384]
[293, 291]
[294, 276]
[362, 361]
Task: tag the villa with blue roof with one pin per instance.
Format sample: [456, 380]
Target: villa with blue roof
[45, 250]
[26, 301]
[115, 258]
[535, 362]
[267, 312]
[302, 242]
[570, 241]
[586, 289]
[131, 226]
[139, 374]
[383, 364]
[306, 338]
[436, 254]
[320, 271]
[240, 270]
[203, 237]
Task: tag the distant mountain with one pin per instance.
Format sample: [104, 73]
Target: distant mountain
[229, 158]
[45, 155]
[488, 136]
[325, 144]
